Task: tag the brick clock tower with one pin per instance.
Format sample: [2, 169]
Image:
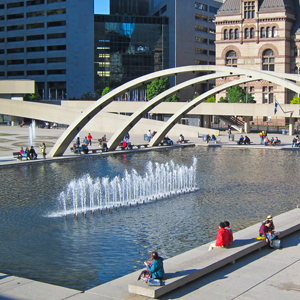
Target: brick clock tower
[259, 35]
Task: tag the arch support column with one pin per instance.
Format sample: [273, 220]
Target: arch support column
[291, 126]
[247, 124]
[206, 121]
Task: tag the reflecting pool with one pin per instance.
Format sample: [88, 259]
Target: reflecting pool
[242, 186]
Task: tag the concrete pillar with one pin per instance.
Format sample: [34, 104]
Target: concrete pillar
[291, 126]
[14, 121]
[206, 121]
[247, 125]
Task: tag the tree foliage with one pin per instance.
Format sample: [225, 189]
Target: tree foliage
[105, 91]
[236, 94]
[157, 86]
[211, 99]
[296, 100]
[33, 97]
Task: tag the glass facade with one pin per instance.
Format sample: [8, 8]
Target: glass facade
[127, 47]
[129, 7]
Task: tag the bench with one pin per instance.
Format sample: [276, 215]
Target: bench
[198, 262]
[101, 149]
[17, 155]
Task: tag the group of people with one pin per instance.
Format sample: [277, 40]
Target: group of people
[210, 138]
[267, 231]
[243, 140]
[31, 154]
[149, 135]
[224, 236]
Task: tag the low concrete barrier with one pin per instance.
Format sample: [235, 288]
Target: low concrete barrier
[197, 262]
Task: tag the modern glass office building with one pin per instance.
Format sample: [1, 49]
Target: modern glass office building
[129, 7]
[127, 47]
[49, 41]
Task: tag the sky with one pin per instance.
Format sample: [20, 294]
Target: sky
[101, 7]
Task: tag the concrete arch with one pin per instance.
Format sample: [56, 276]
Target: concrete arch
[137, 115]
[67, 137]
[159, 136]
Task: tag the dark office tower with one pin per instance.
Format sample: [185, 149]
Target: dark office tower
[129, 7]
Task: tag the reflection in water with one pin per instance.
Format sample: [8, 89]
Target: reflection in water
[242, 186]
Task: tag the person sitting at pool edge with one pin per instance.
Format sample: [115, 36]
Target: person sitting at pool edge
[156, 266]
[223, 239]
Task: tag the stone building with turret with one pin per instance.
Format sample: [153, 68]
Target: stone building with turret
[259, 35]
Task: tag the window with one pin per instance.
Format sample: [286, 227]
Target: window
[249, 9]
[56, 72]
[56, 35]
[225, 34]
[231, 35]
[15, 27]
[36, 49]
[236, 34]
[231, 59]
[1, 6]
[2, 18]
[163, 9]
[34, 2]
[252, 33]
[56, 12]
[35, 61]
[57, 23]
[2, 51]
[211, 42]
[2, 40]
[274, 31]
[263, 32]
[200, 28]
[35, 37]
[15, 4]
[15, 73]
[56, 60]
[35, 25]
[200, 51]
[201, 17]
[35, 72]
[213, 10]
[212, 30]
[2, 62]
[54, 1]
[200, 40]
[247, 34]
[200, 62]
[200, 6]
[15, 62]
[269, 32]
[15, 39]
[15, 50]
[57, 48]
[268, 60]
[35, 14]
[15, 16]
[212, 52]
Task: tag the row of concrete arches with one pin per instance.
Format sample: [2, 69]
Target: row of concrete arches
[250, 75]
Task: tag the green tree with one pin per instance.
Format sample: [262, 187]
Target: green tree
[157, 86]
[236, 94]
[33, 97]
[296, 100]
[211, 99]
[174, 98]
[105, 91]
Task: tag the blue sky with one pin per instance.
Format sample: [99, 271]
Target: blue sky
[101, 7]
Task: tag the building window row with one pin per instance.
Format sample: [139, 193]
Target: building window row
[34, 26]
[268, 60]
[34, 72]
[34, 49]
[204, 18]
[205, 7]
[29, 3]
[34, 37]
[249, 33]
[268, 32]
[200, 39]
[231, 34]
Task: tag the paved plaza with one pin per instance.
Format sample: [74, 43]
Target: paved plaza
[270, 274]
